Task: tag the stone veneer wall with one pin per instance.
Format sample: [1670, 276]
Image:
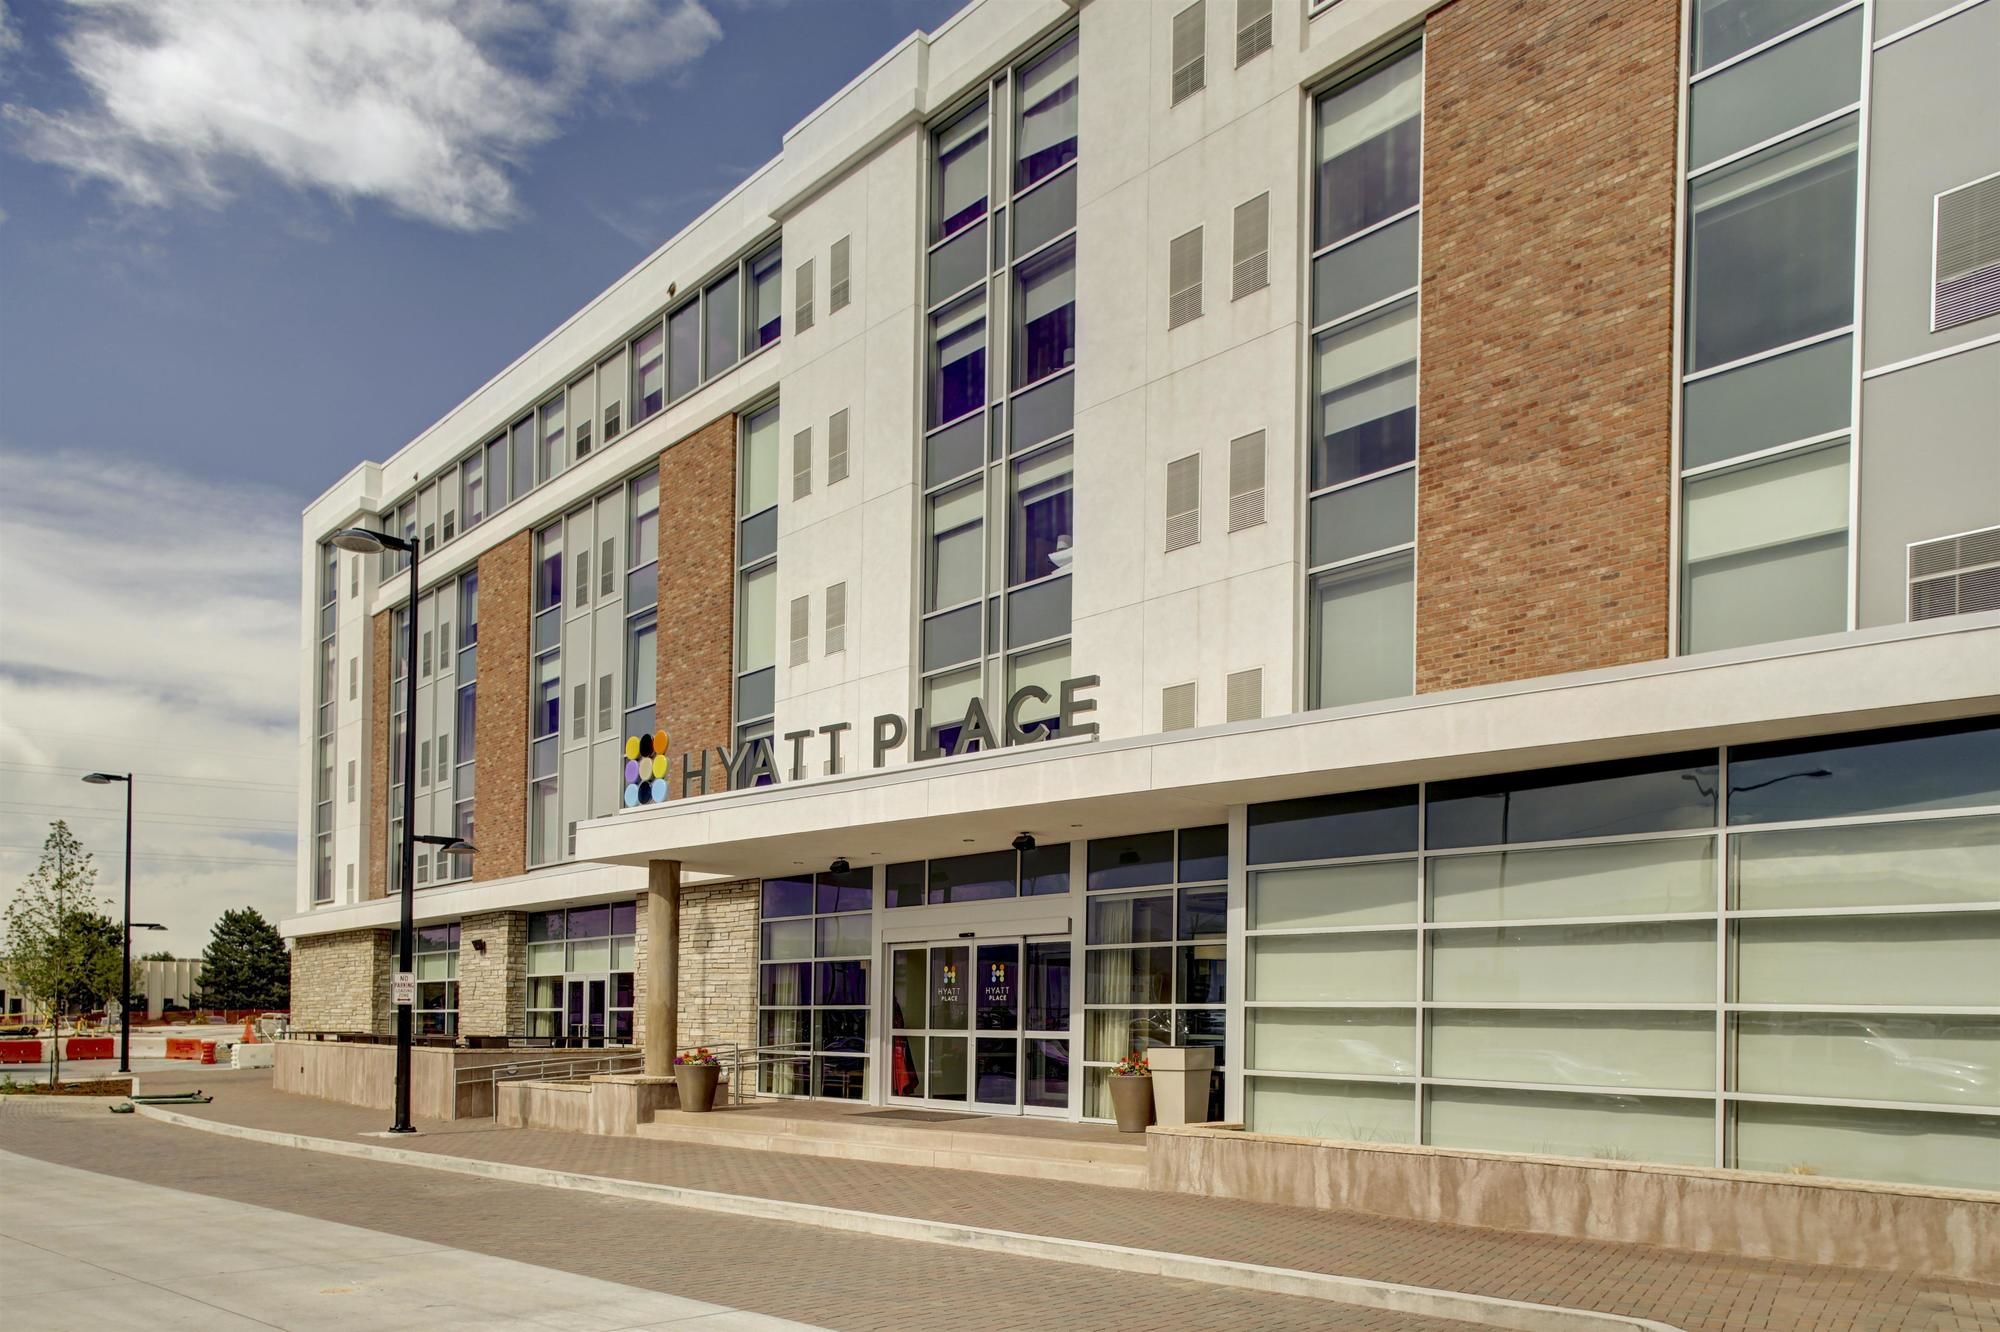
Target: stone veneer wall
[698, 596]
[500, 764]
[340, 982]
[1546, 455]
[493, 985]
[718, 999]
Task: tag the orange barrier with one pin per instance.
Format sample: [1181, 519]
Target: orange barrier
[184, 1047]
[91, 1047]
[208, 1052]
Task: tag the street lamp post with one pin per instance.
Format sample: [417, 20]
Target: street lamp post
[367, 541]
[125, 970]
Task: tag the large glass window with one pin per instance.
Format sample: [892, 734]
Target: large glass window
[582, 963]
[1045, 315]
[961, 175]
[1042, 516]
[1045, 136]
[812, 984]
[435, 956]
[958, 360]
[763, 315]
[1588, 961]
[649, 374]
[957, 547]
[719, 325]
[1370, 150]
[1773, 171]
[757, 577]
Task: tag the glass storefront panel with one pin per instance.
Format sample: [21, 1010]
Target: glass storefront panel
[1943, 1059]
[1933, 862]
[1609, 879]
[1343, 1111]
[1381, 892]
[1336, 967]
[1906, 1146]
[1655, 962]
[1382, 1041]
[1673, 1051]
[1942, 960]
[1604, 1128]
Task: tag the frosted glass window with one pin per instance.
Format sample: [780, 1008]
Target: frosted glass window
[590, 955]
[1800, 79]
[957, 546]
[760, 462]
[1666, 1050]
[545, 959]
[757, 633]
[1903, 960]
[1364, 632]
[1658, 962]
[623, 953]
[1882, 864]
[947, 696]
[786, 939]
[1334, 966]
[1364, 518]
[843, 936]
[1613, 879]
[1377, 893]
[1605, 1128]
[1333, 1040]
[1766, 551]
[1944, 1150]
[1342, 1111]
[1945, 1059]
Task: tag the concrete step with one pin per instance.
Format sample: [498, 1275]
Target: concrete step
[1119, 1165]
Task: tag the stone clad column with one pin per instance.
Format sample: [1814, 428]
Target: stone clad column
[663, 965]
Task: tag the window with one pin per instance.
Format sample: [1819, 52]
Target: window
[815, 943]
[1190, 57]
[611, 387]
[719, 326]
[326, 692]
[1045, 314]
[642, 594]
[958, 360]
[764, 315]
[649, 374]
[435, 956]
[546, 699]
[684, 348]
[1769, 358]
[1155, 970]
[980, 876]
[521, 449]
[1184, 278]
[1363, 630]
[957, 547]
[578, 413]
[802, 305]
[960, 177]
[580, 973]
[1370, 141]
[757, 572]
[1253, 29]
[1365, 383]
[837, 293]
[1042, 516]
[1045, 137]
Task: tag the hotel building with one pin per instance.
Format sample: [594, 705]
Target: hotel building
[1449, 552]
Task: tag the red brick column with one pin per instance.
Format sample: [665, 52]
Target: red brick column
[1548, 250]
[500, 772]
[698, 594]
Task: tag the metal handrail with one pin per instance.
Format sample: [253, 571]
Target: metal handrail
[568, 1069]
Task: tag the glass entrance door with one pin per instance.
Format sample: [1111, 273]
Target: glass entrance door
[980, 1026]
[583, 1011]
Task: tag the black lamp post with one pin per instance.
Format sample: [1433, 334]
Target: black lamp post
[125, 971]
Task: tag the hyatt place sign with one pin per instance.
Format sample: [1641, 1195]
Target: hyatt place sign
[1025, 719]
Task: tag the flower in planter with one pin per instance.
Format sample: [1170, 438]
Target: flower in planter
[703, 1055]
[1133, 1065]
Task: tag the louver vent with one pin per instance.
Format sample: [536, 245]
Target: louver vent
[1253, 29]
[1190, 56]
[1184, 279]
[837, 289]
[836, 619]
[836, 447]
[1246, 481]
[1251, 269]
[802, 289]
[1965, 273]
[802, 463]
[611, 423]
[1955, 575]
[1177, 707]
[1246, 695]
[801, 622]
[1184, 501]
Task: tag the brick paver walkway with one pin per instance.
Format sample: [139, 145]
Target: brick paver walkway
[1702, 1293]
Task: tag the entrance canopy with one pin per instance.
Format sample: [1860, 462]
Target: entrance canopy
[1079, 788]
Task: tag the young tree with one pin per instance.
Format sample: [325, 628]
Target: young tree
[245, 964]
[61, 949]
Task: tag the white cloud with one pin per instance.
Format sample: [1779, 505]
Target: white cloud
[149, 623]
[424, 106]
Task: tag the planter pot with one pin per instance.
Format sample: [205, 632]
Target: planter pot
[694, 1085]
[1132, 1101]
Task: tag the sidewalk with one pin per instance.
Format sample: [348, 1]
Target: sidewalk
[1697, 1292]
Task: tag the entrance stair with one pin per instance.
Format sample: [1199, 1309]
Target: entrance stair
[1022, 1147]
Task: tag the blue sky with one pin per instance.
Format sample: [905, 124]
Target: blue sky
[245, 244]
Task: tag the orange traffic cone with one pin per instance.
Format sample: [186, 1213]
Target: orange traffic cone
[249, 1031]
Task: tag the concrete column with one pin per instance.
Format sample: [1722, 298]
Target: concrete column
[663, 966]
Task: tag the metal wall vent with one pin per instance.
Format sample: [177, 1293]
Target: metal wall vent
[836, 447]
[611, 423]
[1246, 694]
[1246, 481]
[603, 704]
[1184, 501]
[802, 290]
[801, 626]
[1955, 575]
[1251, 267]
[1253, 29]
[837, 288]
[1965, 254]
[1190, 51]
[802, 463]
[1184, 279]
[836, 619]
[1177, 707]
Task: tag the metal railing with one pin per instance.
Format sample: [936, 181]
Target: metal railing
[562, 1068]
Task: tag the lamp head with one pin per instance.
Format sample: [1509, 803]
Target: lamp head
[839, 865]
[102, 778]
[366, 541]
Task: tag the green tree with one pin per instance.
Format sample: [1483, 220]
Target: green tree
[60, 947]
[245, 964]
[157, 955]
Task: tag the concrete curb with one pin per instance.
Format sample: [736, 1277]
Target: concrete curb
[1484, 1310]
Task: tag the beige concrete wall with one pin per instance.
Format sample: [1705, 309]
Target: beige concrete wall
[340, 982]
[718, 1000]
[1937, 1232]
[365, 1074]
[561, 1106]
[493, 985]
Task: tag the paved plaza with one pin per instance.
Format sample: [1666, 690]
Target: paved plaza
[830, 1278]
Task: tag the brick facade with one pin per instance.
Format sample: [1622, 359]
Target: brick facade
[340, 982]
[380, 669]
[698, 594]
[718, 1000]
[500, 765]
[1545, 462]
[493, 985]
